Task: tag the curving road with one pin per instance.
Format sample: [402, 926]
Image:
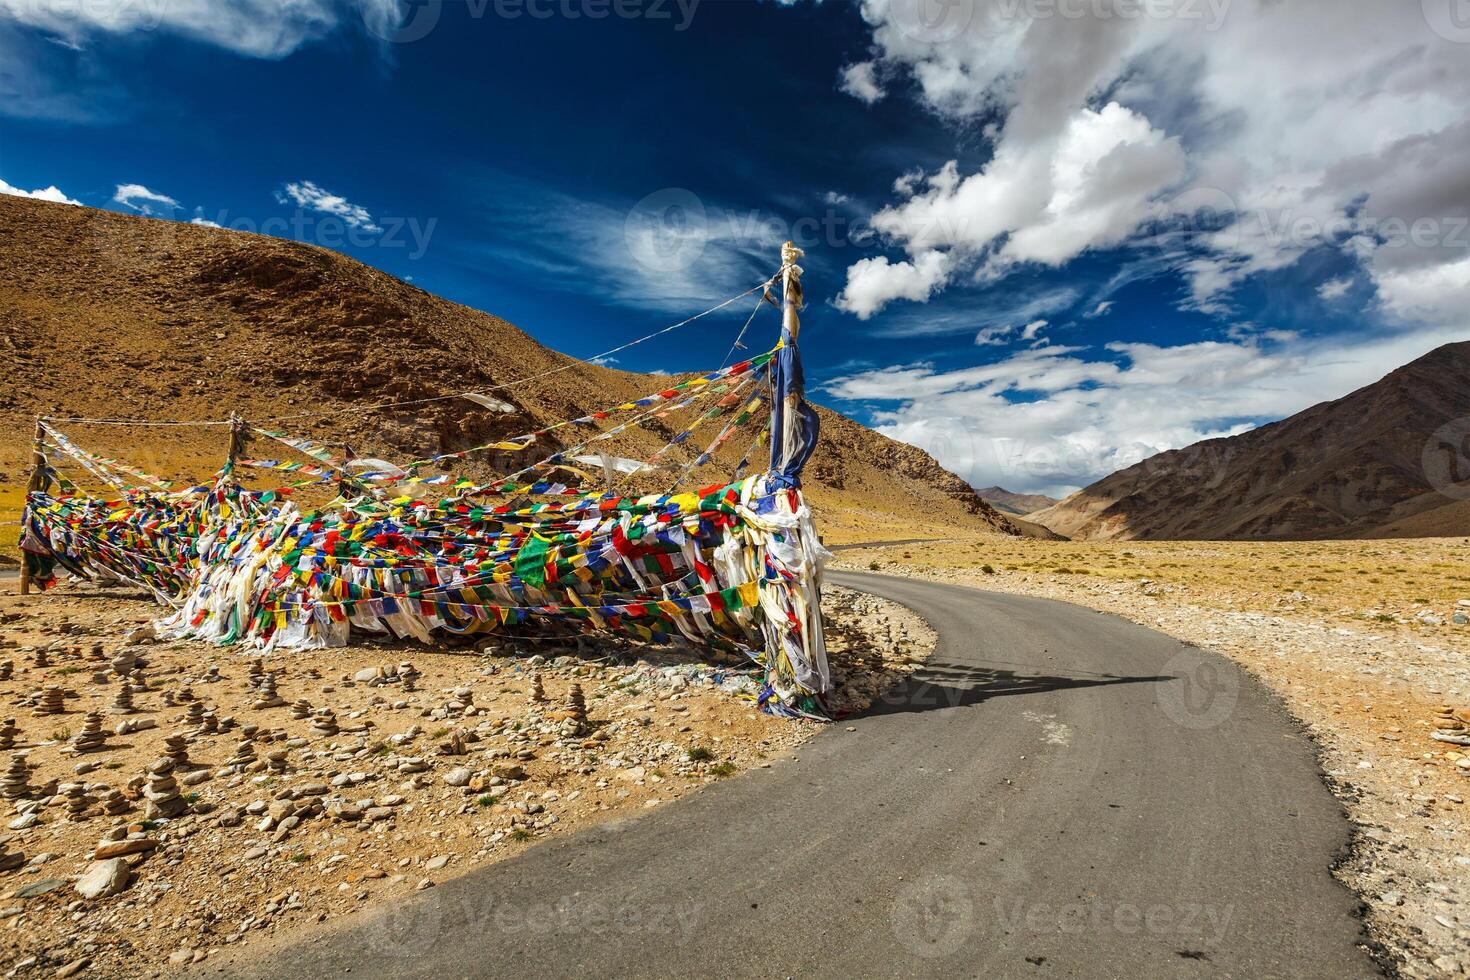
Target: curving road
[1057, 793]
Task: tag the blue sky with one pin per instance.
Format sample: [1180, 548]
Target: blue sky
[1045, 238]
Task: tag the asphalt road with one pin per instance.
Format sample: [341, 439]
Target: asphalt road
[1058, 793]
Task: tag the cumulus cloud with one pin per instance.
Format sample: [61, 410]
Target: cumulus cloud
[144, 201]
[313, 197]
[1261, 132]
[52, 193]
[874, 283]
[1054, 418]
[861, 82]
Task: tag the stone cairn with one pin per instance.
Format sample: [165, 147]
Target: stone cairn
[122, 701]
[176, 747]
[244, 756]
[212, 674]
[114, 803]
[538, 692]
[324, 722]
[96, 654]
[209, 724]
[10, 860]
[7, 669]
[257, 672]
[301, 710]
[16, 783]
[455, 744]
[186, 694]
[577, 706]
[194, 716]
[78, 801]
[162, 791]
[8, 731]
[410, 675]
[42, 661]
[461, 699]
[275, 760]
[168, 700]
[266, 696]
[124, 663]
[53, 702]
[91, 738]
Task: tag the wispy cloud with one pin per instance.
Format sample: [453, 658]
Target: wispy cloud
[313, 197]
[144, 201]
[670, 252]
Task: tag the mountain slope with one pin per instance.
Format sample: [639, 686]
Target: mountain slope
[1354, 467]
[105, 315]
[1019, 504]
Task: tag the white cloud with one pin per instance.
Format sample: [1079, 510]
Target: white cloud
[1101, 309]
[255, 28]
[1030, 330]
[861, 82]
[1051, 419]
[143, 200]
[306, 194]
[1334, 289]
[1291, 126]
[204, 222]
[873, 283]
[52, 193]
[1433, 293]
[833, 198]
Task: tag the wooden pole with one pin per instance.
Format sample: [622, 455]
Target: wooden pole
[38, 479]
[237, 439]
[790, 329]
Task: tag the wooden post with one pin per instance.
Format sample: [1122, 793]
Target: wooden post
[38, 479]
[790, 329]
[237, 439]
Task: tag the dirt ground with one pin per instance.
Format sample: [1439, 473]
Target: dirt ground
[422, 782]
[1364, 641]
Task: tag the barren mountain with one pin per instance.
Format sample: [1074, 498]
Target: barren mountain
[1374, 463]
[1019, 504]
[105, 315]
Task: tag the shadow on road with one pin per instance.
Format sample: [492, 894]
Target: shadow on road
[939, 685]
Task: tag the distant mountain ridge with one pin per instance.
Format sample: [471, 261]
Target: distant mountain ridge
[104, 314]
[1374, 463]
[1019, 504]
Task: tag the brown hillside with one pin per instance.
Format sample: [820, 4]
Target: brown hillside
[1020, 504]
[109, 315]
[1354, 467]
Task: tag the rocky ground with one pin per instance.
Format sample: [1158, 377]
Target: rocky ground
[235, 797]
[1372, 668]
